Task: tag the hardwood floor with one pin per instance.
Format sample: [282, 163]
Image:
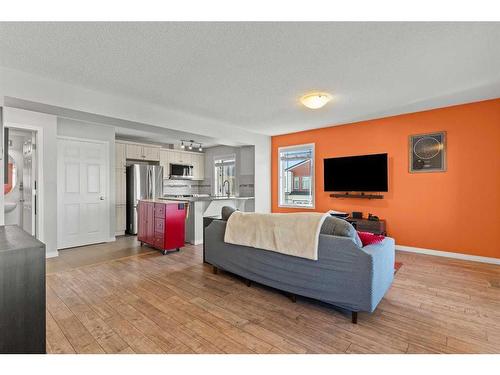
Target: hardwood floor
[121, 298]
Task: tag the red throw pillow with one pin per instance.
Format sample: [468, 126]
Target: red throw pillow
[368, 238]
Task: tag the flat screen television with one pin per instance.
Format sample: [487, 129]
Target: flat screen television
[356, 173]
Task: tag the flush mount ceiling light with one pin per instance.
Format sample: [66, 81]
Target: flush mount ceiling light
[315, 100]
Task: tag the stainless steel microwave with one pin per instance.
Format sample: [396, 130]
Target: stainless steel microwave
[181, 171]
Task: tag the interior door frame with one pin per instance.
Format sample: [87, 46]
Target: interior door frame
[40, 229]
[107, 192]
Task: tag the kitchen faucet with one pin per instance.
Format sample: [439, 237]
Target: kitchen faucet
[228, 190]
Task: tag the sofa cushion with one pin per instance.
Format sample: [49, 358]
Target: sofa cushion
[226, 212]
[335, 226]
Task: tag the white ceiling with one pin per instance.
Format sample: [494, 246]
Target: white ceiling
[250, 75]
[139, 135]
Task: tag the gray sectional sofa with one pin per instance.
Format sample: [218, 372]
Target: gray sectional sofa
[345, 275]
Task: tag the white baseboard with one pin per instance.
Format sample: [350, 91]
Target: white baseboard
[111, 239]
[52, 254]
[447, 254]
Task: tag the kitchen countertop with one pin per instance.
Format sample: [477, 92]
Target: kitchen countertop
[201, 199]
[160, 200]
[13, 238]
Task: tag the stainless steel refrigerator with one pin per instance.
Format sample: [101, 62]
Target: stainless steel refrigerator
[143, 182]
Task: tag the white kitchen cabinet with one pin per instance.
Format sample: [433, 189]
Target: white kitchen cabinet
[121, 219]
[181, 157]
[121, 185]
[133, 151]
[120, 158]
[120, 198]
[187, 158]
[151, 153]
[198, 162]
[141, 152]
[175, 157]
[201, 167]
[165, 160]
[195, 162]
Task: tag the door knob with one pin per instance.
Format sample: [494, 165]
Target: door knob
[101, 198]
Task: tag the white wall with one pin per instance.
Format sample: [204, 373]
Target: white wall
[247, 160]
[37, 89]
[262, 190]
[246, 171]
[99, 132]
[47, 127]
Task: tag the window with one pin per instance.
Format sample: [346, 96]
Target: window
[306, 183]
[296, 176]
[225, 175]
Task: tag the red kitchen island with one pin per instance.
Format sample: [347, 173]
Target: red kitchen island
[161, 224]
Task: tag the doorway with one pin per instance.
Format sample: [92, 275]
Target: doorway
[21, 178]
[82, 192]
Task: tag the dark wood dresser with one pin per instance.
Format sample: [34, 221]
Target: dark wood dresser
[22, 292]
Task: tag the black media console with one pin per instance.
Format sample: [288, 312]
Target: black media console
[365, 225]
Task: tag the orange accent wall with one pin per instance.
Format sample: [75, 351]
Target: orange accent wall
[457, 210]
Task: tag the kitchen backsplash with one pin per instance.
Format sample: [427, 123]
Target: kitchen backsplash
[180, 187]
[205, 188]
[183, 187]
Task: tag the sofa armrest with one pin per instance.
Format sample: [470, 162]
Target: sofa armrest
[382, 249]
[215, 231]
[382, 267]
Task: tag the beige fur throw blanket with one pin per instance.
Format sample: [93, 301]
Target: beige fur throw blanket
[295, 234]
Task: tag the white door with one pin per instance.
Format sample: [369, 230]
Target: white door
[83, 205]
